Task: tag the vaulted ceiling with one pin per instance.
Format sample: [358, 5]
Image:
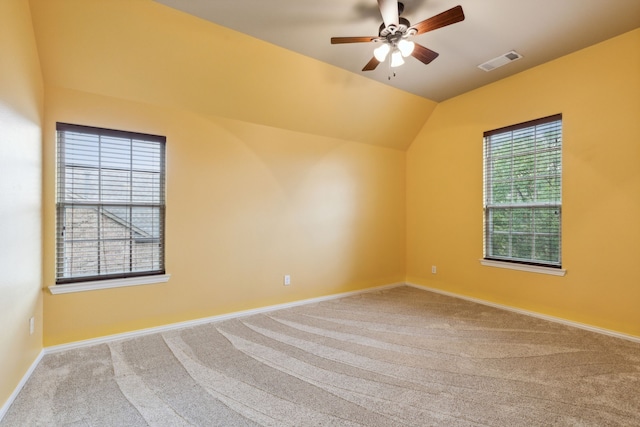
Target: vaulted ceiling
[540, 30]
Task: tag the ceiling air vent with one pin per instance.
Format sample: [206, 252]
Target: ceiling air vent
[500, 61]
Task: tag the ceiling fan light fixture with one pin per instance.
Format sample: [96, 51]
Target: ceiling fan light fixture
[381, 52]
[406, 47]
[396, 58]
[395, 31]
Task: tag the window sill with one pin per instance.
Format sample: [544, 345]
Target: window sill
[524, 267]
[108, 284]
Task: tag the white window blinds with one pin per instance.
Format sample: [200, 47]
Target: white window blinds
[522, 192]
[110, 204]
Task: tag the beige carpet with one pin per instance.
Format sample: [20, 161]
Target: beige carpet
[400, 357]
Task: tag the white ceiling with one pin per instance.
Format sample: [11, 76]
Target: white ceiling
[540, 30]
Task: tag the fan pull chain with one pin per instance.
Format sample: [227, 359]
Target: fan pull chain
[391, 72]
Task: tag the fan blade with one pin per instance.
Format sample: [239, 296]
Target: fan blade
[423, 54]
[371, 65]
[340, 40]
[389, 12]
[440, 20]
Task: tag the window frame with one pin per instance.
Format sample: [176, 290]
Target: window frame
[511, 261]
[69, 282]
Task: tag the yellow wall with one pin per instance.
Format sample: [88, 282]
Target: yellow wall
[246, 204]
[276, 163]
[20, 188]
[279, 164]
[598, 92]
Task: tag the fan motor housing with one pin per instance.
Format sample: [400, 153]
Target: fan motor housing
[391, 30]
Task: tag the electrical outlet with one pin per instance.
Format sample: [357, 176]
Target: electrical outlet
[433, 269]
[287, 280]
[32, 325]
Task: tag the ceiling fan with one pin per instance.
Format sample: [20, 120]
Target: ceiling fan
[395, 32]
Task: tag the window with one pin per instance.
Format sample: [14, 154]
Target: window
[110, 204]
[522, 193]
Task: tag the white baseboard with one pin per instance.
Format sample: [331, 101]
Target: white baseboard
[5, 408]
[532, 314]
[205, 320]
